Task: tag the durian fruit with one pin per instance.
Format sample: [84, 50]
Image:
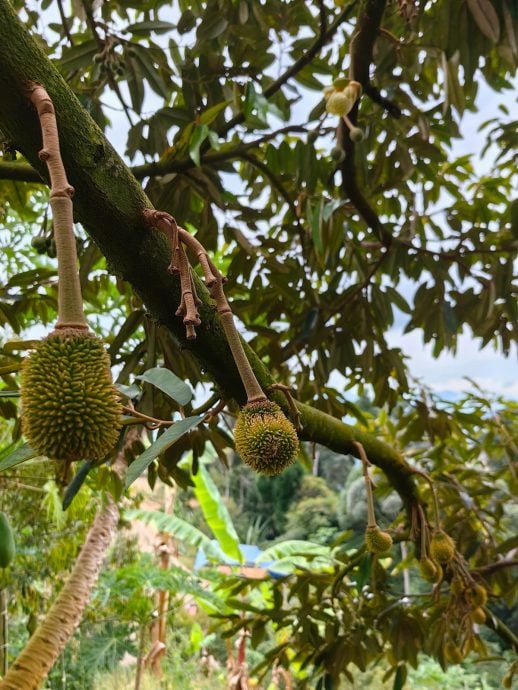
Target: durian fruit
[357, 135]
[70, 408]
[376, 540]
[7, 546]
[477, 595]
[457, 586]
[452, 653]
[442, 547]
[430, 571]
[478, 615]
[265, 439]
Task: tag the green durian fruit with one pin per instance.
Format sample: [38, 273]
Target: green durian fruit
[478, 615]
[70, 408]
[265, 439]
[430, 571]
[356, 134]
[7, 547]
[442, 547]
[457, 586]
[376, 540]
[477, 595]
[452, 653]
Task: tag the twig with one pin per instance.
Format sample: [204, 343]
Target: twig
[373, 93]
[371, 516]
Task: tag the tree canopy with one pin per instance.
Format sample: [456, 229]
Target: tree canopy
[328, 229]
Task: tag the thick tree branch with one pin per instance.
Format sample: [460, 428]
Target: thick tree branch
[362, 44]
[110, 204]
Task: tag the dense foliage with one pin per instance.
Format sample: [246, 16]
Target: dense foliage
[218, 108]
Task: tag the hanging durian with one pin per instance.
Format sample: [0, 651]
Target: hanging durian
[442, 547]
[376, 540]
[265, 439]
[70, 408]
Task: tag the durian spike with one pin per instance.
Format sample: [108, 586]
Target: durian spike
[70, 302]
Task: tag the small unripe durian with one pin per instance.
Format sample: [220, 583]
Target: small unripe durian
[70, 408]
[453, 653]
[477, 595]
[356, 134]
[442, 547]
[478, 615]
[265, 439]
[457, 586]
[337, 154]
[376, 540]
[430, 571]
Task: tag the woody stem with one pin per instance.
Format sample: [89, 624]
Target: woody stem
[70, 301]
[254, 392]
[371, 517]
[436, 513]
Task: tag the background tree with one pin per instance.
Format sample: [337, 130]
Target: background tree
[324, 240]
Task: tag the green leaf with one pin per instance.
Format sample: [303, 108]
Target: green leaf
[10, 458]
[180, 529]
[209, 115]
[400, 678]
[169, 383]
[216, 514]
[149, 69]
[293, 547]
[198, 137]
[147, 27]
[164, 441]
[211, 27]
[79, 56]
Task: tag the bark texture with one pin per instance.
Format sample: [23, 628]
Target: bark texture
[110, 203]
[39, 655]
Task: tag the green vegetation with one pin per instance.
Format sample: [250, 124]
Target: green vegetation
[303, 161]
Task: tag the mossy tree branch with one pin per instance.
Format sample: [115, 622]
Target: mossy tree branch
[110, 203]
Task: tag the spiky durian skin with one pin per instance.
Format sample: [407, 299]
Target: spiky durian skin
[457, 587]
[265, 439]
[430, 571]
[477, 595]
[70, 408]
[442, 547]
[376, 540]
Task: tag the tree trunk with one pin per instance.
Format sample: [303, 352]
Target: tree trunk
[37, 658]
